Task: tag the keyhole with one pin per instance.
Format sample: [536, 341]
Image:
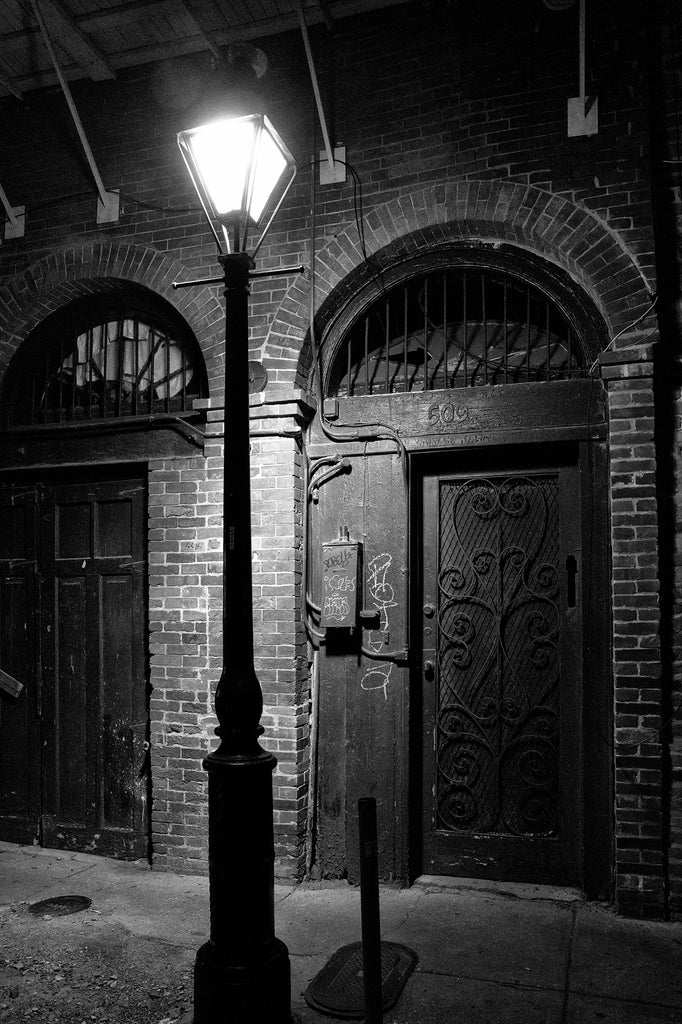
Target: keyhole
[571, 574]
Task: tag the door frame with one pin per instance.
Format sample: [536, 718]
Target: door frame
[22, 661]
[596, 700]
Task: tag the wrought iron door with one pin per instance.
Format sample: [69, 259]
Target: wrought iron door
[501, 651]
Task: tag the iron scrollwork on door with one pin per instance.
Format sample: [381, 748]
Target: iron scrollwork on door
[497, 732]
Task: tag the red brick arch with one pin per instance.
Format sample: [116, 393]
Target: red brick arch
[63, 276]
[551, 226]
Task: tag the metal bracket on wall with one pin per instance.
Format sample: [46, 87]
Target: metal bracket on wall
[337, 172]
[583, 116]
[583, 111]
[108, 207]
[15, 225]
[10, 685]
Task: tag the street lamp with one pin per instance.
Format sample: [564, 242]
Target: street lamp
[241, 170]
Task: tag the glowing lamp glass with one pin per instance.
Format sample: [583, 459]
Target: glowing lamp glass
[222, 156]
[236, 165]
[269, 166]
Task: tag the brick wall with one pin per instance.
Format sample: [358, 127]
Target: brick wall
[666, 40]
[185, 599]
[640, 840]
[185, 592]
[279, 638]
[454, 120]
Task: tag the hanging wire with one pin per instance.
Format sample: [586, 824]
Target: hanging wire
[69, 196]
[624, 331]
[365, 431]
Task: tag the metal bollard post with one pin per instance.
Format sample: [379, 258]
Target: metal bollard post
[369, 910]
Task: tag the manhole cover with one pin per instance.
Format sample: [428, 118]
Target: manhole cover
[59, 906]
[338, 990]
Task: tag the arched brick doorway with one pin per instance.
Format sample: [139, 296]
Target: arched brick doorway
[94, 399]
[599, 264]
[471, 433]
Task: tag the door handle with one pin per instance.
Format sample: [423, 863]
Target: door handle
[571, 575]
[429, 669]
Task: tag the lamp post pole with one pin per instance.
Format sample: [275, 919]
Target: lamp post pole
[241, 171]
[242, 974]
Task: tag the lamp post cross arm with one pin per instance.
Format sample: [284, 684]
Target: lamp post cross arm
[279, 272]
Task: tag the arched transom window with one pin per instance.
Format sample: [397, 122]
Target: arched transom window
[454, 327]
[106, 357]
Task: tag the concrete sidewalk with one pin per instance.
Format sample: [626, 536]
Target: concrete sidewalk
[488, 954]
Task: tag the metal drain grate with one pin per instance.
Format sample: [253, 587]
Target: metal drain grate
[338, 989]
[59, 906]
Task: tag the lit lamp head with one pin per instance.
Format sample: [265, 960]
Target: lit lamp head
[241, 171]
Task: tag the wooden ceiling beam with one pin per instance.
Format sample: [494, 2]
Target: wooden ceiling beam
[324, 7]
[46, 78]
[122, 14]
[98, 21]
[73, 40]
[195, 13]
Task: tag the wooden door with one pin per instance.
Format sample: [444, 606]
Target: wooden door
[90, 683]
[20, 795]
[501, 674]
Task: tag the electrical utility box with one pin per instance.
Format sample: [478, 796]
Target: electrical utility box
[340, 572]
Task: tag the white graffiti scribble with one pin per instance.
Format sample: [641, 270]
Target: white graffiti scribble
[336, 607]
[382, 595]
[377, 678]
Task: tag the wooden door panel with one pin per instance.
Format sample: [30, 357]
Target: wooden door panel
[114, 529]
[19, 722]
[363, 687]
[501, 686]
[95, 782]
[75, 737]
[123, 706]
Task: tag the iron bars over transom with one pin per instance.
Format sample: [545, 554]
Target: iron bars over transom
[114, 364]
[453, 328]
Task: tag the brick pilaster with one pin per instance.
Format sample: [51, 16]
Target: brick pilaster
[185, 526]
[639, 814]
[277, 502]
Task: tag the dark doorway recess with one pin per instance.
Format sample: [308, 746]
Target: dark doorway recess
[512, 696]
[73, 746]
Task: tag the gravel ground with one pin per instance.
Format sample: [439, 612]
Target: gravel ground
[81, 968]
